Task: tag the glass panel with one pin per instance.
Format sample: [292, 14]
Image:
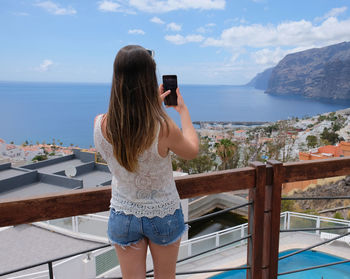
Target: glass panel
[94, 227]
[246, 231]
[229, 237]
[282, 222]
[328, 224]
[297, 222]
[203, 245]
[183, 252]
[65, 223]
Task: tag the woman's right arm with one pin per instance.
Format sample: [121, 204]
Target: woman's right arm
[183, 143]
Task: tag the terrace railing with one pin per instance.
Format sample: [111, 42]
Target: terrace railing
[264, 182]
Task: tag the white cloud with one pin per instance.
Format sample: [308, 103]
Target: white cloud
[293, 33]
[180, 40]
[176, 39]
[173, 26]
[136, 32]
[201, 29]
[266, 44]
[333, 13]
[21, 14]
[45, 66]
[157, 20]
[159, 6]
[194, 38]
[55, 9]
[267, 56]
[108, 6]
[336, 11]
[206, 28]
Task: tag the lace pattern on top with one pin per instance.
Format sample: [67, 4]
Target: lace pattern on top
[150, 191]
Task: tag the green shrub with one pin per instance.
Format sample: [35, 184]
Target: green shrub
[321, 118]
[329, 136]
[39, 158]
[311, 141]
[337, 215]
[287, 205]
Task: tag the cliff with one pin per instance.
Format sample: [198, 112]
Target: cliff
[314, 73]
[261, 80]
[340, 188]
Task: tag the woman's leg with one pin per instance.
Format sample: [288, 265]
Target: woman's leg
[164, 259]
[132, 260]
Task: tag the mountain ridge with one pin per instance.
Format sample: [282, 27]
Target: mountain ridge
[319, 73]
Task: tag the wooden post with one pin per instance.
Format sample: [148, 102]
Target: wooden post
[256, 222]
[275, 204]
[267, 226]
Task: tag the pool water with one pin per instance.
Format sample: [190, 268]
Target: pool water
[299, 261]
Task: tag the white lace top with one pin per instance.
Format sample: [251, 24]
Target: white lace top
[150, 191]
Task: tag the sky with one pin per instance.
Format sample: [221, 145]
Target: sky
[201, 41]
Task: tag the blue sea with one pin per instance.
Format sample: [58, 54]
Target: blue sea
[40, 112]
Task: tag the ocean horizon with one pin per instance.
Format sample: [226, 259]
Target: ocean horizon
[43, 111]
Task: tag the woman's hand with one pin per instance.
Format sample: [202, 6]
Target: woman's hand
[163, 94]
[180, 102]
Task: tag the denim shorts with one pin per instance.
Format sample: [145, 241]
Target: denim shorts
[127, 229]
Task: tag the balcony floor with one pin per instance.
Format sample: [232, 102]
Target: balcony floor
[25, 245]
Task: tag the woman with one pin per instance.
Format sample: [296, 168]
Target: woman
[135, 137]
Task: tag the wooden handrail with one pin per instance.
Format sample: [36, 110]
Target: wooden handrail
[77, 202]
[314, 169]
[84, 201]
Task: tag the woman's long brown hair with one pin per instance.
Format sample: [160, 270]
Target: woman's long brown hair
[135, 110]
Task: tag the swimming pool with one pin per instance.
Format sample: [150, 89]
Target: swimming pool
[302, 260]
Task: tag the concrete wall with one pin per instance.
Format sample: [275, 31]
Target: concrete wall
[49, 162]
[84, 156]
[81, 169]
[5, 166]
[102, 167]
[59, 180]
[107, 183]
[18, 181]
[88, 167]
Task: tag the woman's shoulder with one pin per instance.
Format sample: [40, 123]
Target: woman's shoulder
[97, 116]
[167, 126]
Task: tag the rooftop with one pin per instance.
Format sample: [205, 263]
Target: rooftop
[49, 176]
[38, 244]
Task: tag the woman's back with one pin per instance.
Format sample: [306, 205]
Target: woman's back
[150, 191]
[145, 206]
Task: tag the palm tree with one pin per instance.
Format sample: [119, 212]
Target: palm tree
[226, 150]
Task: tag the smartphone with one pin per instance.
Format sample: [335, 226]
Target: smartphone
[170, 83]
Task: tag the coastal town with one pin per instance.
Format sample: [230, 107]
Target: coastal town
[321, 136]
[316, 137]
[26, 153]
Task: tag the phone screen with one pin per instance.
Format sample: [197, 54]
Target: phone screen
[170, 83]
